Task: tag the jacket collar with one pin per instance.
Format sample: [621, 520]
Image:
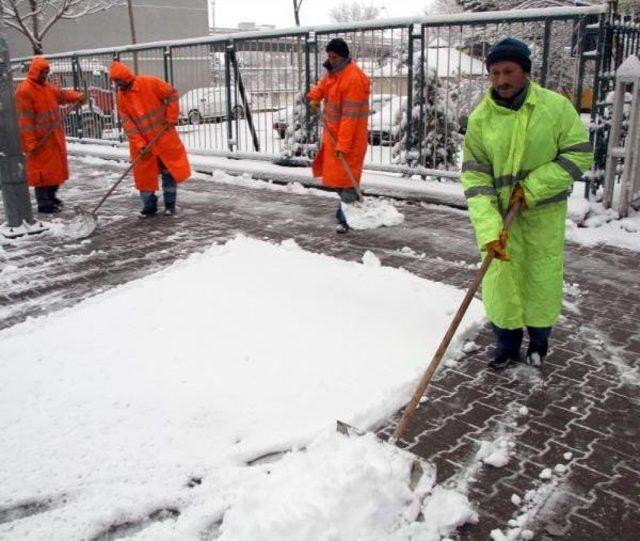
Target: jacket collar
[514, 103]
[341, 66]
[529, 98]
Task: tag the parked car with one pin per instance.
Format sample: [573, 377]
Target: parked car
[283, 117]
[202, 104]
[381, 123]
[377, 101]
[89, 122]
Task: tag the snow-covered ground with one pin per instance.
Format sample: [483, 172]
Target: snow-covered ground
[141, 411]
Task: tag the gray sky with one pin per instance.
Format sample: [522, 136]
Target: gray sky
[229, 13]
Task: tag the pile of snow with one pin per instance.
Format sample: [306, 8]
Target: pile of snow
[372, 213]
[495, 453]
[589, 223]
[143, 405]
[345, 488]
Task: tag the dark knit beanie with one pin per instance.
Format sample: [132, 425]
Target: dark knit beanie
[338, 46]
[510, 49]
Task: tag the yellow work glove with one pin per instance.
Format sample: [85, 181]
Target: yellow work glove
[314, 106]
[499, 247]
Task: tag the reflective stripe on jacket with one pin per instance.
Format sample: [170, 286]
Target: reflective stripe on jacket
[38, 107]
[545, 147]
[144, 108]
[345, 93]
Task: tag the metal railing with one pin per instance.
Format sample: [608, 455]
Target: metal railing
[427, 74]
[620, 39]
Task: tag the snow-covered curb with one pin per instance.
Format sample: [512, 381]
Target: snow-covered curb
[373, 183]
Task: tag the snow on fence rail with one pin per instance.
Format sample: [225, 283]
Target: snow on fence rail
[427, 75]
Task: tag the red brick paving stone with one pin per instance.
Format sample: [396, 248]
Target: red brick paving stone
[619, 518]
[580, 438]
[623, 426]
[556, 418]
[478, 414]
[583, 529]
[445, 437]
[464, 397]
[554, 454]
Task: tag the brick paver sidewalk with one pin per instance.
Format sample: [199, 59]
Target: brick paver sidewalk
[586, 402]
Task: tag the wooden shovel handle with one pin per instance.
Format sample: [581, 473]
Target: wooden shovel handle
[411, 407]
[343, 161]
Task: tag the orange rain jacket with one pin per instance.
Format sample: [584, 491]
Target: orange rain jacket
[345, 92]
[144, 109]
[38, 108]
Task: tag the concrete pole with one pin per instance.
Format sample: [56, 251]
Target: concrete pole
[15, 193]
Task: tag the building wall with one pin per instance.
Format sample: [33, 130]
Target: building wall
[154, 19]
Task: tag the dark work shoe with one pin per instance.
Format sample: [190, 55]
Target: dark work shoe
[342, 228]
[148, 213]
[49, 209]
[170, 210]
[503, 359]
[57, 202]
[535, 359]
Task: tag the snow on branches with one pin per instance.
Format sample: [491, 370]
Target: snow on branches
[434, 139]
[34, 18]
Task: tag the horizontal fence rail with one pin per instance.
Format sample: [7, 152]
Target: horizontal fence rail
[245, 92]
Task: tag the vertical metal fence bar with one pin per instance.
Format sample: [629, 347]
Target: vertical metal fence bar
[577, 100]
[421, 88]
[227, 82]
[545, 52]
[409, 138]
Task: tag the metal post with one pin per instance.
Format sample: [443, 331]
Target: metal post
[76, 116]
[423, 77]
[309, 41]
[545, 52]
[581, 61]
[594, 136]
[227, 82]
[167, 65]
[15, 193]
[409, 142]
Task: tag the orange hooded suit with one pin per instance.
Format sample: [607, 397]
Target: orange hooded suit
[38, 108]
[144, 109]
[346, 115]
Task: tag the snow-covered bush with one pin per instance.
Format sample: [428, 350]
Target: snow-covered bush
[434, 140]
[297, 141]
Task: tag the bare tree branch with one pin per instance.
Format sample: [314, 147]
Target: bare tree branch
[354, 11]
[34, 18]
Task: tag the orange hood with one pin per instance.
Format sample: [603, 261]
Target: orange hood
[119, 72]
[38, 64]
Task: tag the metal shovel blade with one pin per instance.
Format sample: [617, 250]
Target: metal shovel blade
[418, 465]
[82, 225]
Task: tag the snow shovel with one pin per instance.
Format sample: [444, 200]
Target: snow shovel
[85, 222]
[411, 407]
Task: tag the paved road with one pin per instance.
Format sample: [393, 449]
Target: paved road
[585, 403]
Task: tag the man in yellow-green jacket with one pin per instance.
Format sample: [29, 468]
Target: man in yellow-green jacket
[523, 143]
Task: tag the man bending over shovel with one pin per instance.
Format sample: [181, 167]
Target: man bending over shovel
[345, 91]
[148, 106]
